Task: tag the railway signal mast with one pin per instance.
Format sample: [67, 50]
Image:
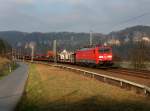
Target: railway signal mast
[32, 46]
[91, 38]
[13, 54]
[55, 50]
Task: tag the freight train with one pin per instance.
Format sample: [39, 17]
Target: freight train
[95, 56]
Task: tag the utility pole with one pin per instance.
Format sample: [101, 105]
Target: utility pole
[55, 50]
[32, 46]
[17, 53]
[23, 55]
[12, 54]
[91, 38]
[32, 53]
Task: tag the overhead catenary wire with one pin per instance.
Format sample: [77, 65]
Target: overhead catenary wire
[134, 18]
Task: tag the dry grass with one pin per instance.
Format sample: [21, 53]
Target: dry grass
[53, 89]
[3, 61]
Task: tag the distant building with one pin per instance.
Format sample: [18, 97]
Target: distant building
[65, 55]
[114, 42]
[147, 39]
[139, 39]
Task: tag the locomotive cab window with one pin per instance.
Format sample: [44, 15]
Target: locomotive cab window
[104, 50]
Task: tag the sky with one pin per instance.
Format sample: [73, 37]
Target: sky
[101, 16]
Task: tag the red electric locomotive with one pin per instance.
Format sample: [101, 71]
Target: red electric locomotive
[100, 55]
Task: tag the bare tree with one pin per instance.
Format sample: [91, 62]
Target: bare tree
[139, 54]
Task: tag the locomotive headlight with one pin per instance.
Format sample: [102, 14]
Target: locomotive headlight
[101, 57]
[110, 56]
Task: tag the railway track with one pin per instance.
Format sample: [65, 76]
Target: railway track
[129, 72]
[136, 73]
[141, 77]
[145, 74]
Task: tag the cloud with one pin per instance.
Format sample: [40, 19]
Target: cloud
[65, 1]
[72, 15]
[24, 1]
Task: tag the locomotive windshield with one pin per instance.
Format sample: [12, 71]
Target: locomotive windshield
[104, 50]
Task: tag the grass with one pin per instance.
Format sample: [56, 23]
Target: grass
[53, 89]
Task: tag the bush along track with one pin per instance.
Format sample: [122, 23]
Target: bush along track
[7, 68]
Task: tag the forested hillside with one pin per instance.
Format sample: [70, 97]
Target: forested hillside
[44, 41]
[121, 41]
[131, 33]
[4, 47]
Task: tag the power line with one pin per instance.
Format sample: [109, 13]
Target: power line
[133, 18]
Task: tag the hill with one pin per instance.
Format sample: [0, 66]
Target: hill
[44, 41]
[131, 33]
[72, 41]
